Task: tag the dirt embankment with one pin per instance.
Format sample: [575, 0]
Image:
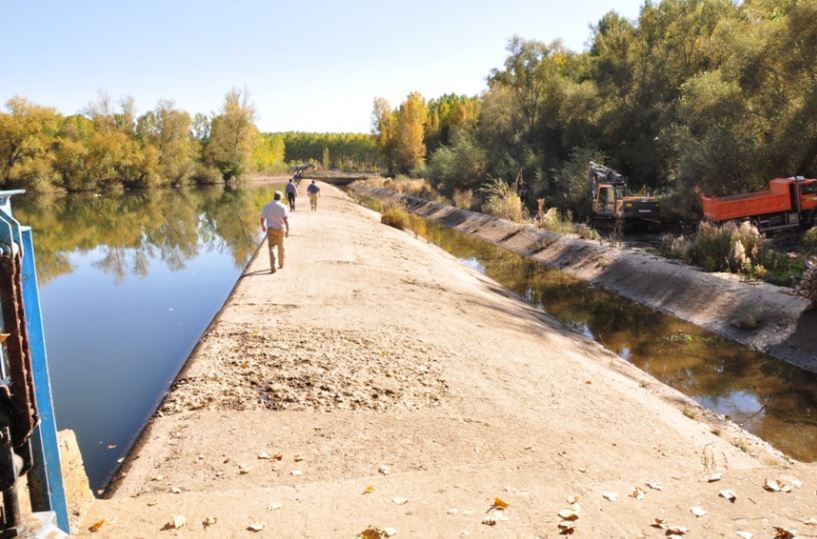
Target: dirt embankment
[377, 382]
[762, 316]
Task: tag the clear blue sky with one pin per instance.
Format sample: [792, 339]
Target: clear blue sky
[309, 65]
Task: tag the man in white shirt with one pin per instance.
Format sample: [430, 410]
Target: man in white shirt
[275, 223]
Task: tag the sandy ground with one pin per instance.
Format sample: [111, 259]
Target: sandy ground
[375, 381]
[762, 316]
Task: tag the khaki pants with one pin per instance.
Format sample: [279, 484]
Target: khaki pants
[313, 201]
[275, 238]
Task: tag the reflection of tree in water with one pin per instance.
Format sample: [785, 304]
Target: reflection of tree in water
[135, 229]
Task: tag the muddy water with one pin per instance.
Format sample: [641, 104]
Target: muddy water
[770, 398]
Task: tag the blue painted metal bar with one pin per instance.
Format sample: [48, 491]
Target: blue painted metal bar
[10, 231]
[47, 471]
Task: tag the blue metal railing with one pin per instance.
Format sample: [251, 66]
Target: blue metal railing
[45, 477]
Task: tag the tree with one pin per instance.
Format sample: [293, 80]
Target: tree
[411, 121]
[165, 136]
[269, 152]
[384, 128]
[233, 136]
[26, 135]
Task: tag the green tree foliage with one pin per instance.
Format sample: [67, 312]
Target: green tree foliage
[108, 146]
[350, 152]
[401, 133]
[458, 166]
[694, 96]
[169, 151]
[449, 116]
[384, 128]
[26, 134]
[269, 153]
[232, 136]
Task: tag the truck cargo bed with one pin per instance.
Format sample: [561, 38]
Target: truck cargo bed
[747, 205]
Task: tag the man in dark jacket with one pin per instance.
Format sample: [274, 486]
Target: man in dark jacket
[292, 192]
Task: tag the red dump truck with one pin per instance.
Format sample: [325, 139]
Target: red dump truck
[788, 203]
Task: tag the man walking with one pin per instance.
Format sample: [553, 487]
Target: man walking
[292, 192]
[275, 223]
[314, 192]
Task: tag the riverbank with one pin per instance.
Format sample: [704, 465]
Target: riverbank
[764, 317]
[375, 381]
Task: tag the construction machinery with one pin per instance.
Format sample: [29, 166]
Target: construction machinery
[787, 203]
[299, 170]
[612, 201]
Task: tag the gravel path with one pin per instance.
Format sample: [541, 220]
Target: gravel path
[376, 383]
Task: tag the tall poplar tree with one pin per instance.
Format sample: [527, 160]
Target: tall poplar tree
[411, 120]
[233, 136]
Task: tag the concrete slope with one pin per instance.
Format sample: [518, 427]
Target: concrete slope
[373, 351]
[716, 301]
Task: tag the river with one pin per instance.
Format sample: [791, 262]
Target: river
[128, 284]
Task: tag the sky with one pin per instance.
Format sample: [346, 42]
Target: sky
[308, 65]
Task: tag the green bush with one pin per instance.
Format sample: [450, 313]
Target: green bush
[734, 248]
[459, 166]
[572, 181]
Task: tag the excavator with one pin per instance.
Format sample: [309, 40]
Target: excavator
[299, 170]
[612, 202]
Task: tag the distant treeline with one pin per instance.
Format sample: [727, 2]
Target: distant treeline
[353, 152]
[694, 96]
[109, 146]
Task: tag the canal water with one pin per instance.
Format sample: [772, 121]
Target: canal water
[770, 398]
[128, 284]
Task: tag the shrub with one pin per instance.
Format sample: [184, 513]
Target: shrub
[464, 199]
[418, 225]
[808, 284]
[459, 166]
[396, 217]
[205, 174]
[735, 248]
[810, 240]
[502, 201]
[710, 247]
[586, 232]
[572, 181]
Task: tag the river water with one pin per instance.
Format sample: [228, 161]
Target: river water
[770, 398]
[128, 284]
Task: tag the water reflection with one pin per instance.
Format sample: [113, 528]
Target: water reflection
[128, 283]
[770, 398]
[135, 229]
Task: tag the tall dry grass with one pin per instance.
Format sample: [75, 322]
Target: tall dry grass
[502, 201]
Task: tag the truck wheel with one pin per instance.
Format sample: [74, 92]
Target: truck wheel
[808, 219]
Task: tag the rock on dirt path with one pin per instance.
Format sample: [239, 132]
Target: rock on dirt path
[377, 384]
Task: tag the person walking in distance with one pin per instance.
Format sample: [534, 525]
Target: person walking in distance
[292, 192]
[314, 192]
[275, 223]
